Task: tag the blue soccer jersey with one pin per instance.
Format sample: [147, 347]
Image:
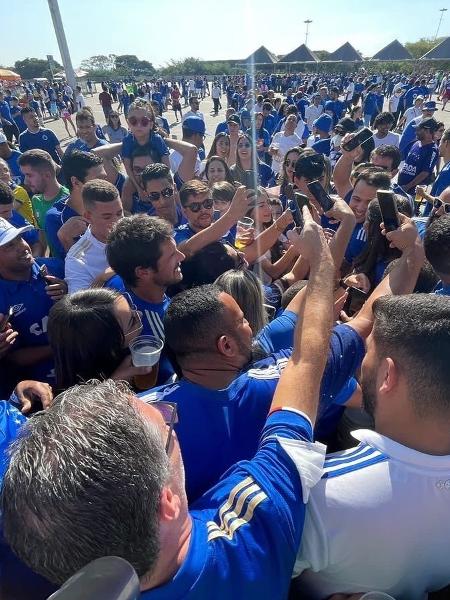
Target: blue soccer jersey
[421, 158]
[44, 139]
[228, 422]
[247, 529]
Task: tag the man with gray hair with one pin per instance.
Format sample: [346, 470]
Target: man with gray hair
[100, 473]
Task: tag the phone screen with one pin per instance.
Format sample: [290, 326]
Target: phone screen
[324, 200]
[361, 137]
[389, 210]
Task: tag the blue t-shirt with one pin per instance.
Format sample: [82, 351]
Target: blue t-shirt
[156, 145]
[83, 147]
[217, 428]
[408, 137]
[10, 422]
[56, 216]
[152, 316]
[5, 111]
[279, 333]
[32, 236]
[411, 95]
[247, 529]
[370, 104]
[420, 158]
[442, 180]
[31, 307]
[44, 139]
[184, 232]
[357, 243]
[322, 146]
[18, 119]
[442, 290]
[13, 164]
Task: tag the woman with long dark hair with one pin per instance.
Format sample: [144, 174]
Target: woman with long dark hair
[89, 333]
[246, 160]
[216, 170]
[221, 147]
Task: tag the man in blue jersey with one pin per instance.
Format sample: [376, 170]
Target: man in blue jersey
[243, 534]
[29, 287]
[399, 472]
[86, 131]
[12, 158]
[409, 135]
[143, 254]
[437, 249]
[37, 137]
[162, 194]
[443, 178]
[421, 159]
[322, 128]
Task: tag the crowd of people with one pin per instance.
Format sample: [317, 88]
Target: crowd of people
[283, 432]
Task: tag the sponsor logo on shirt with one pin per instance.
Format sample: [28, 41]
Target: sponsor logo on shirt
[18, 309]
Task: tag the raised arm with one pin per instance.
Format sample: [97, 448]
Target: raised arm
[299, 385]
[402, 278]
[343, 168]
[186, 170]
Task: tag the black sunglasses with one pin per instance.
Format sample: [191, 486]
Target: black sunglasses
[156, 196]
[195, 207]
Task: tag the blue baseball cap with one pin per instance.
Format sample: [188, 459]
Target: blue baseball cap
[195, 124]
[324, 123]
[430, 105]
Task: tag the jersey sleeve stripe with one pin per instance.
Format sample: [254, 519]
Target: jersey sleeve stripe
[355, 467]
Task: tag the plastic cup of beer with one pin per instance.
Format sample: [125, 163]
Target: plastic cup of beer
[242, 228]
[145, 352]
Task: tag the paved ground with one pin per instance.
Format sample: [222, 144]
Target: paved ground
[206, 107]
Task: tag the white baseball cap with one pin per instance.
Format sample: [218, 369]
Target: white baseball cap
[3, 139]
[8, 232]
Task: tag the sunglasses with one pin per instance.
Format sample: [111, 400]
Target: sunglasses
[156, 196]
[195, 207]
[145, 121]
[169, 413]
[438, 203]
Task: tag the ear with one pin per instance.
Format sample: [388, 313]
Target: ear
[226, 346]
[169, 506]
[390, 376]
[142, 273]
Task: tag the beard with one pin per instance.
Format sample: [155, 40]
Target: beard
[369, 394]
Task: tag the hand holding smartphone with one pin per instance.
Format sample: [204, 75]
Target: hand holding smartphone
[324, 200]
[5, 321]
[389, 210]
[358, 139]
[296, 207]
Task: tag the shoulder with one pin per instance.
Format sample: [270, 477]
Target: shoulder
[349, 461]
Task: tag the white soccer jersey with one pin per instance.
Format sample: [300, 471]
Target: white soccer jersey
[378, 520]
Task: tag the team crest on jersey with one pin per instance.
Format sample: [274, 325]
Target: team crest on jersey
[18, 309]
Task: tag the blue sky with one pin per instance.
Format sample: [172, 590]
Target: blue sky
[158, 30]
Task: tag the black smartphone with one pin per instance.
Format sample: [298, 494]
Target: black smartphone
[389, 210]
[289, 191]
[355, 299]
[6, 319]
[358, 139]
[250, 180]
[325, 201]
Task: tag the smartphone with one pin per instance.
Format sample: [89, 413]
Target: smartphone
[325, 201]
[250, 181]
[43, 271]
[355, 299]
[289, 191]
[389, 210]
[296, 214]
[6, 319]
[358, 139]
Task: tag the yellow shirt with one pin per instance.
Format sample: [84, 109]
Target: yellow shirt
[22, 203]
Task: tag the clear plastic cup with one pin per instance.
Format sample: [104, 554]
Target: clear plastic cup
[145, 352]
[242, 228]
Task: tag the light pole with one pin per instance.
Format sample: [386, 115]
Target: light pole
[307, 22]
[442, 11]
[62, 42]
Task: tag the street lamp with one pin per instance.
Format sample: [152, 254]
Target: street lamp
[442, 11]
[62, 42]
[307, 22]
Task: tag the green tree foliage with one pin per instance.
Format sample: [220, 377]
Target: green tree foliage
[422, 46]
[195, 66]
[101, 62]
[29, 68]
[129, 64]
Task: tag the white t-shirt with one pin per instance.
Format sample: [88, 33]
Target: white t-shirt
[412, 113]
[393, 103]
[175, 159]
[85, 260]
[80, 101]
[350, 91]
[285, 142]
[191, 113]
[393, 139]
[312, 113]
[377, 520]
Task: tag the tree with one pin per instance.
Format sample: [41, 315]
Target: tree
[422, 46]
[322, 54]
[29, 68]
[130, 64]
[100, 62]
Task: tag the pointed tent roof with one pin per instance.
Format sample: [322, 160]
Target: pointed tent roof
[262, 56]
[393, 51]
[300, 54]
[346, 53]
[439, 52]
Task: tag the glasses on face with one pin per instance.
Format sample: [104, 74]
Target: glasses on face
[136, 321]
[169, 413]
[145, 121]
[156, 196]
[438, 203]
[195, 207]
